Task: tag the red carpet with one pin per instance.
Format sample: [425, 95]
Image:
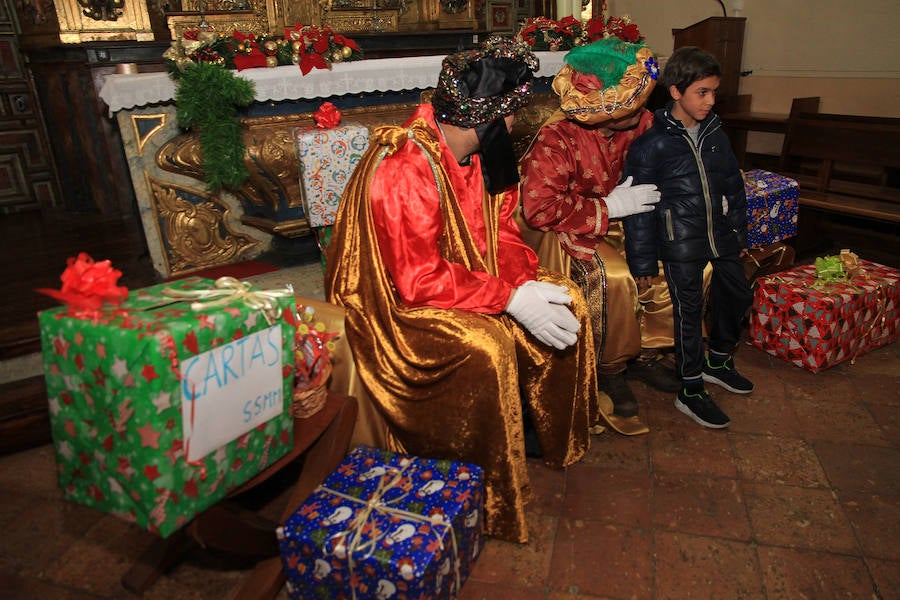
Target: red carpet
[240, 270]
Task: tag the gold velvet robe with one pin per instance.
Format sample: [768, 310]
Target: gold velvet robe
[447, 381]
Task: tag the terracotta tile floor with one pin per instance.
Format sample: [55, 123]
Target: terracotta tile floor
[800, 498]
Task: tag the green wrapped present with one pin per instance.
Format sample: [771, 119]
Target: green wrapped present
[162, 405]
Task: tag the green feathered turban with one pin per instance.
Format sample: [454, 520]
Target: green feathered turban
[607, 80]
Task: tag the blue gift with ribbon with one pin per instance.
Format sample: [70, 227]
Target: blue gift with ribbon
[385, 525]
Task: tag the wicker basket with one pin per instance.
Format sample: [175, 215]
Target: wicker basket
[310, 400]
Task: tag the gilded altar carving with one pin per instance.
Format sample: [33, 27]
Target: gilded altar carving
[129, 20]
[195, 228]
[144, 127]
[358, 21]
[349, 16]
[222, 22]
[454, 7]
[271, 197]
[273, 179]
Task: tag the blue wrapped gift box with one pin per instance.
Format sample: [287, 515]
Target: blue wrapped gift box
[385, 525]
[772, 207]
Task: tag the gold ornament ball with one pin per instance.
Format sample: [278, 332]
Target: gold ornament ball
[295, 58]
[336, 56]
[295, 46]
[270, 47]
[240, 47]
[346, 51]
[271, 61]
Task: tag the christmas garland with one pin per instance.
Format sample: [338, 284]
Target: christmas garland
[208, 97]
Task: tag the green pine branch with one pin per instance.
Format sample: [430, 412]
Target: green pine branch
[207, 98]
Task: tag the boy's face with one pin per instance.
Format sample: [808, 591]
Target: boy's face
[698, 99]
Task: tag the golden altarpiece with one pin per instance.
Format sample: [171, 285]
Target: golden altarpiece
[96, 20]
[188, 227]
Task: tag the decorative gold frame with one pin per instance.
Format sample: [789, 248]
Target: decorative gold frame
[223, 22]
[359, 21]
[75, 27]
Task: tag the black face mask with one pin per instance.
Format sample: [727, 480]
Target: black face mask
[499, 166]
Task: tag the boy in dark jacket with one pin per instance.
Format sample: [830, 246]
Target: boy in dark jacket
[700, 219]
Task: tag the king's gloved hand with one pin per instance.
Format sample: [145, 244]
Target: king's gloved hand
[540, 308]
[627, 199]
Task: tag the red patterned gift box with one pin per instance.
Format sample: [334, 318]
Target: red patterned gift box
[815, 324]
[772, 205]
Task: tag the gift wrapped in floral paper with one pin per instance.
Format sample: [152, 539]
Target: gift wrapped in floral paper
[328, 154]
[816, 316]
[772, 207]
[163, 402]
[385, 525]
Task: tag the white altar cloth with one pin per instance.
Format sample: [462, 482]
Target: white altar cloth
[124, 91]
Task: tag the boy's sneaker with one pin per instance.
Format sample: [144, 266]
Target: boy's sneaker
[700, 407]
[726, 375]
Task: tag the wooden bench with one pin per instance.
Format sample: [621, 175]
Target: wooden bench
[845, 164]
[738, 120]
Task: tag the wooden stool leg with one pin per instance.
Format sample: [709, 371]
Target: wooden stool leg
[323, 457]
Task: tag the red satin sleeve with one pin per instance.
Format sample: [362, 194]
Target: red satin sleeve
[551, 200]
[407, 214]
[516, 261]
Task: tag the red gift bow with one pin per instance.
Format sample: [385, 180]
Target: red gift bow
[86, 284]
[327, 116]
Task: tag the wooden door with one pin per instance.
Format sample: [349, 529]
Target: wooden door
[27, 175]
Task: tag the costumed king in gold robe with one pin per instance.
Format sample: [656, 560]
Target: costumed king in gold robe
[569, 186]
[453, 326]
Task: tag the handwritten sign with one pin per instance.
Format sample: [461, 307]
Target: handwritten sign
[231, 389]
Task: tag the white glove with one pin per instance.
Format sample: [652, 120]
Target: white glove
[540, 308]
[627, 199]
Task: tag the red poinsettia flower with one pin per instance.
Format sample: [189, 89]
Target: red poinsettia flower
[320, 44]
[253, 59]
[630, 33]
[192, 34]
[310, 61]
[345, 41]
[595, 29]
[569, 21]
[86, 284]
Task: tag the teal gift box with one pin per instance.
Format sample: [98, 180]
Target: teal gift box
[162, 405]
[385, 525]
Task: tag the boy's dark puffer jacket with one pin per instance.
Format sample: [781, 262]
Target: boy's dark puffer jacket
[689, 223]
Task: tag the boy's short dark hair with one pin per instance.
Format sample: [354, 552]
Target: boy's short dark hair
[687, 65]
